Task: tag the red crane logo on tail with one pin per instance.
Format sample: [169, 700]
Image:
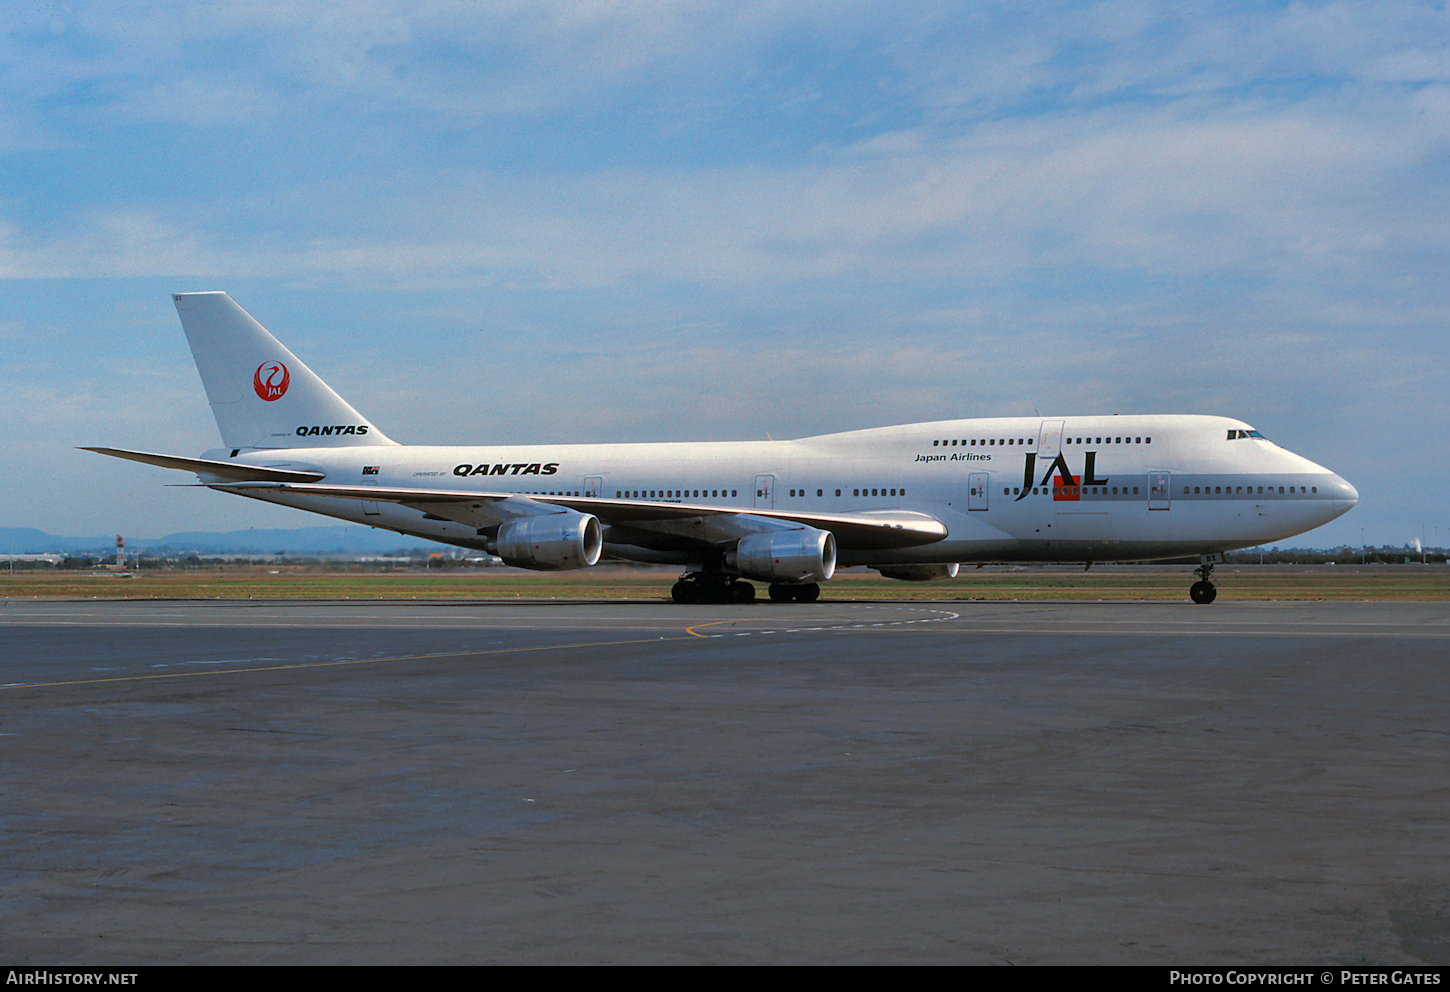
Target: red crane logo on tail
[270, 381]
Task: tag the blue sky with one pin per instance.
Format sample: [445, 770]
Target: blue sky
[519, 222]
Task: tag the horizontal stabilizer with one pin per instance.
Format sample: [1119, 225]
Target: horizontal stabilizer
[229, 471]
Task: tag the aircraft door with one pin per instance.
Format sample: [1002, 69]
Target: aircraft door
[592, 485]
[765, 492]
[977, 483]
[1160, 486]
[1049, 440]
[370, 478]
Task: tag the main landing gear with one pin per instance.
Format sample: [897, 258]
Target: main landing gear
[712, 587]
[805, 592]
[1203, 591]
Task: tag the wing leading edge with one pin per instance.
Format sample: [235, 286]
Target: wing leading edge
[875, 529]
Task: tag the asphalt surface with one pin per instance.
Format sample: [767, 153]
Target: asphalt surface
[638, 782]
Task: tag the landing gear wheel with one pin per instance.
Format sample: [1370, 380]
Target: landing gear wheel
[1203, 591]
[806, 592]
[711, 587]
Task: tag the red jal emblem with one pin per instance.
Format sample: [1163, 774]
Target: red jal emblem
[270, 380]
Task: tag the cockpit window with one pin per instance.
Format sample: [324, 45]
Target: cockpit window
[1234, 434]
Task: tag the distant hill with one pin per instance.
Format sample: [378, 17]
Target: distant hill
[345, 539]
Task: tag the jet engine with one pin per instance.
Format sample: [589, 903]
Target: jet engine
[919, 573]
[804, 555]
[550, 542]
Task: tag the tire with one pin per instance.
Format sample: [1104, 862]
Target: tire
[808, 593]
[742, 591]
[1203, 593]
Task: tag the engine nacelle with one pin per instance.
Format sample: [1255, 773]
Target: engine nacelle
[919, 573]
[550, 542]
[805, 555]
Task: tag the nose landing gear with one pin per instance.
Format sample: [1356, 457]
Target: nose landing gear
[1204, 591]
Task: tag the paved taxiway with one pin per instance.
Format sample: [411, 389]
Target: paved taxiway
[642, 782]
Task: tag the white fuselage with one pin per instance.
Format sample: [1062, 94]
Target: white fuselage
[1007, 489]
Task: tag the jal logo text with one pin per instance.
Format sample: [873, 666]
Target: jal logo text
[1069, 484]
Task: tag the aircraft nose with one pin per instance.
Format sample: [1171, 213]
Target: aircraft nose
[1346, 492]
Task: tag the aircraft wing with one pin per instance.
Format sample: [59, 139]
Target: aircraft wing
[875, 529]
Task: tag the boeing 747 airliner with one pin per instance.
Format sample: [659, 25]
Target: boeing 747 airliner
[911, 502]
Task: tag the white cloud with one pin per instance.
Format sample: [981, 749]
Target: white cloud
[1298, 194]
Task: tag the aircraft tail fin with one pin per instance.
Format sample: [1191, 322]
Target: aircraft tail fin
[261, 394]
